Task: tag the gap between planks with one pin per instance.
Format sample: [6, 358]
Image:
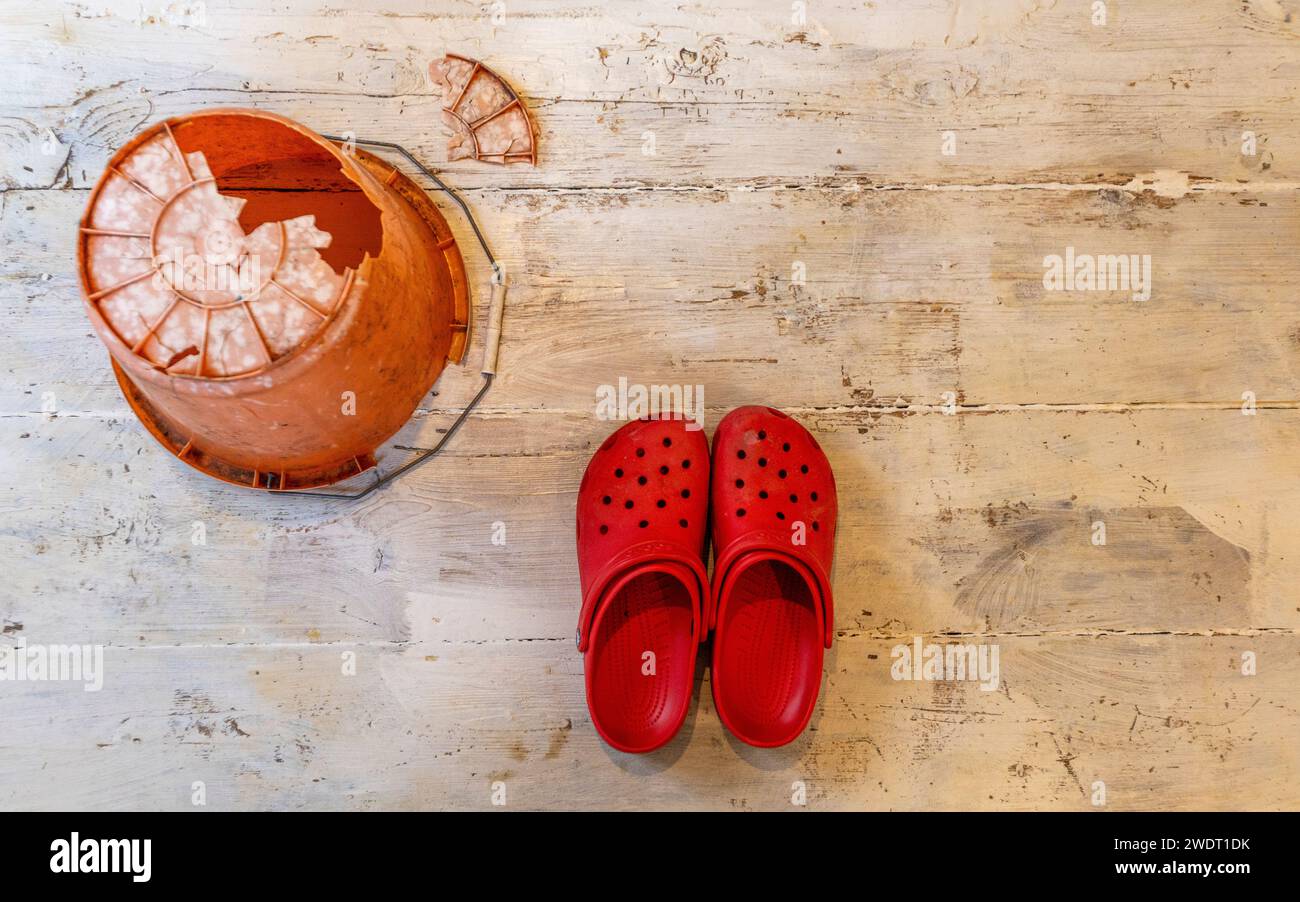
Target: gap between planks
[843, 635]
[847, 186]
[484, 411]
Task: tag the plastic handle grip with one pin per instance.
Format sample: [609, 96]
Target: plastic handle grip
[492, 341]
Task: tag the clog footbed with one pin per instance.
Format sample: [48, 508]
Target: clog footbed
[642, 523]
[774, 514]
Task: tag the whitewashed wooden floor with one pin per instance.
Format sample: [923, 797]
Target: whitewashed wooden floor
[775, 142]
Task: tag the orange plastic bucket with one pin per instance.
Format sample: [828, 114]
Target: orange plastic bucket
[275, 305]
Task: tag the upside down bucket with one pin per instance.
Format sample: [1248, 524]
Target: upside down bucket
[275, 305]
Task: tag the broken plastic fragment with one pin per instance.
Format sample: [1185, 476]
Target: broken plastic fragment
[488, 120]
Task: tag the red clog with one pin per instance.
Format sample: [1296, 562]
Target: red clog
[642, 515]
[774, 512]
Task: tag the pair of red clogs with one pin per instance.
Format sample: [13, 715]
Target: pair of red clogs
[647, 602]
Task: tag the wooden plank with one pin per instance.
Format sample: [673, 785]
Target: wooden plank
[968, 523]
[908, 295]
[1164, 722]
[734, 92]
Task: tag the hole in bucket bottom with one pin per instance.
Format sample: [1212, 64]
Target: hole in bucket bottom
[282, 174]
